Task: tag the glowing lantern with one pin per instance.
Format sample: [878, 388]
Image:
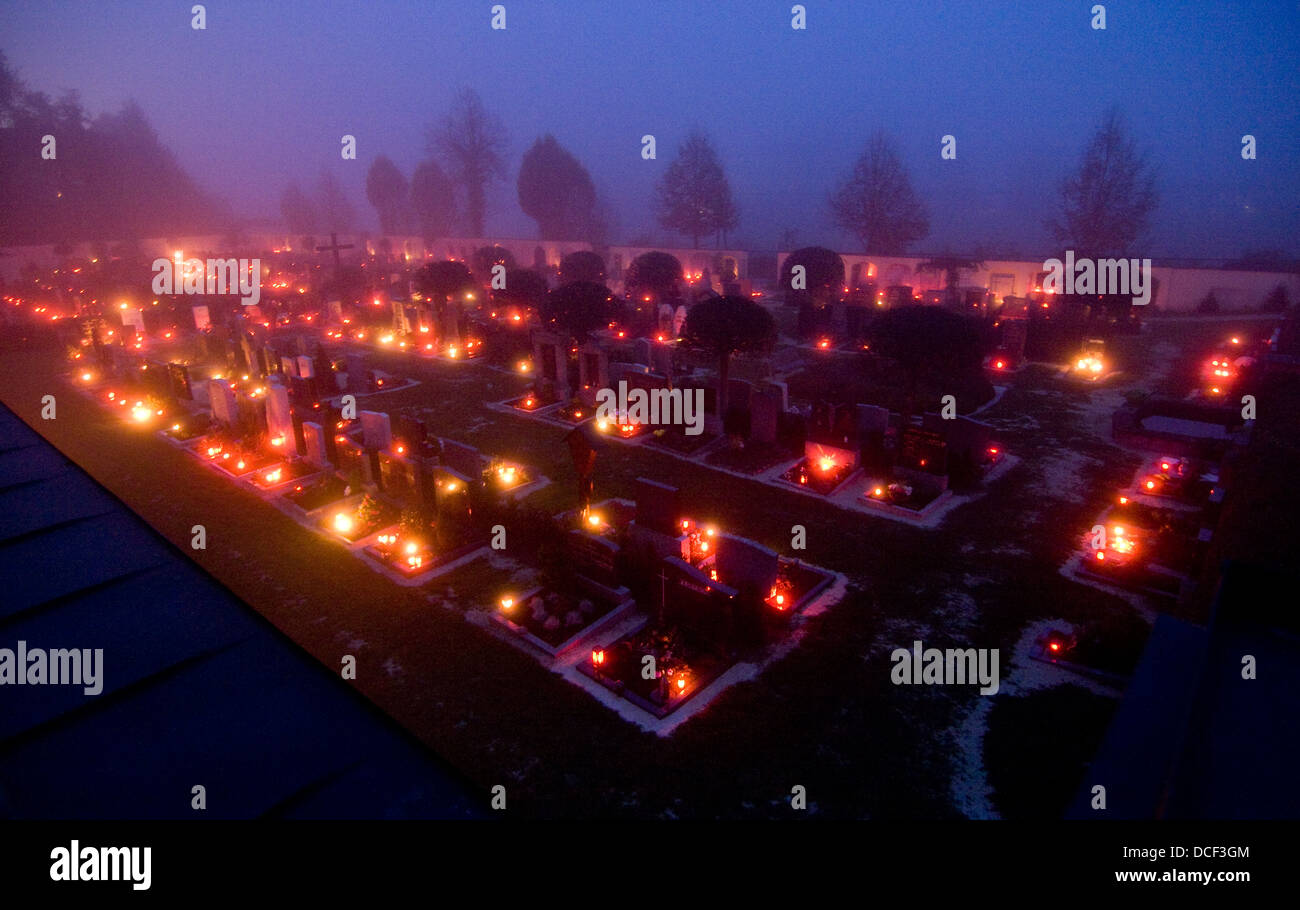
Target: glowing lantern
[343, 523]
[86, 377]
[597, 658]
[277, 440]
[507, 603]
[141, 414]
[594, 520]
[825, 463]
[274, 476]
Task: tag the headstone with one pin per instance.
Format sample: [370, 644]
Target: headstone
[376, 430]
[743, 564]
[739, 393]
[334, 311]
[314, 437]
[289, 365]
[411, 431]
[872, 419]
[464, 460]
[679, 321]
[661, 359]
[780, 389]
[658, 507]
[641, 351]
[221, 399]
[202, 320]
[593, 372]
[279, 419]
[764, 412]
[306, 367]
[356, 367]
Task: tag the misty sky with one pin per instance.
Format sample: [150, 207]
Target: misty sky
[265, 93]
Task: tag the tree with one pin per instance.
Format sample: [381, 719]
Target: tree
[693, 197]
[582, 265]
[442, 281]
[951, 267]
[336, 211]
[299, 211]
[877, 204]
[823, 272]
[929, 342]
[472, 142]
[433, 200]
[1107, 204]
[387, 191]
[524, 287]
[556, 191]
[654, 274]
[580, 308]
[485, 257]
[725, 326]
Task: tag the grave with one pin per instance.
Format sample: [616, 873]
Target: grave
[376, 430]
[178, 374]
[314, 437]
[279, 419]
[221, 400]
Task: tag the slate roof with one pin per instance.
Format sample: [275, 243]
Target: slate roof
[197, 687]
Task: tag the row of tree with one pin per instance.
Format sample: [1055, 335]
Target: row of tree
[65, 177]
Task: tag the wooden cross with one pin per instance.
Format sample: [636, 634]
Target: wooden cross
[334, 246]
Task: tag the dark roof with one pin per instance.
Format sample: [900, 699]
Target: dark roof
[1192, 738]
[197, 687]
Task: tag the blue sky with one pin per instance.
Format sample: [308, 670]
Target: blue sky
[263, 95]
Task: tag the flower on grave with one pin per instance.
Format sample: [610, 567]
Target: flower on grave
[573, 618]
[369, 510]
[537, 607]
[551, 624]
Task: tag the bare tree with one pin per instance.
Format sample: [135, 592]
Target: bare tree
[877, 203]
[387, 191]
[693, 197]
[472, 142]
[1106, 206]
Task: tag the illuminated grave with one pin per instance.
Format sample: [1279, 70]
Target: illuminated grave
[823, 468]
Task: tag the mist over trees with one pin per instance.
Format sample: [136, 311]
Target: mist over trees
[433, 201]
[693, 197]
[387, 191]
[556, 191]
[876, 203]
[1106, 205]
[110, 177]
[471, 140]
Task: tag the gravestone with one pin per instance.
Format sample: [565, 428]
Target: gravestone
[642, 352]
[202, 319]
[745, 565]
[593, 372]
[289, 366]
[658, 507]
[551, 357]
[356, 367]
[314, 437]
[221, 399]
[780, 389]
[411, 431]
[661, 359]
[279, 419]
[679, 321]
[376, 430]
[306, 367]
[464, 460]
[822, 424]
[764, 413]
[739, 393]
[846, 425]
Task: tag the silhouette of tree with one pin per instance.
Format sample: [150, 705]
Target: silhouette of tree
[693, 197]
[1106, 205]
[725, 326]
[556, 191]
[387, 191]
[472, 142]
[877, 203]
[433, 200]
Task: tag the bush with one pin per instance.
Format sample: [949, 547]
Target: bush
[1209, 304]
